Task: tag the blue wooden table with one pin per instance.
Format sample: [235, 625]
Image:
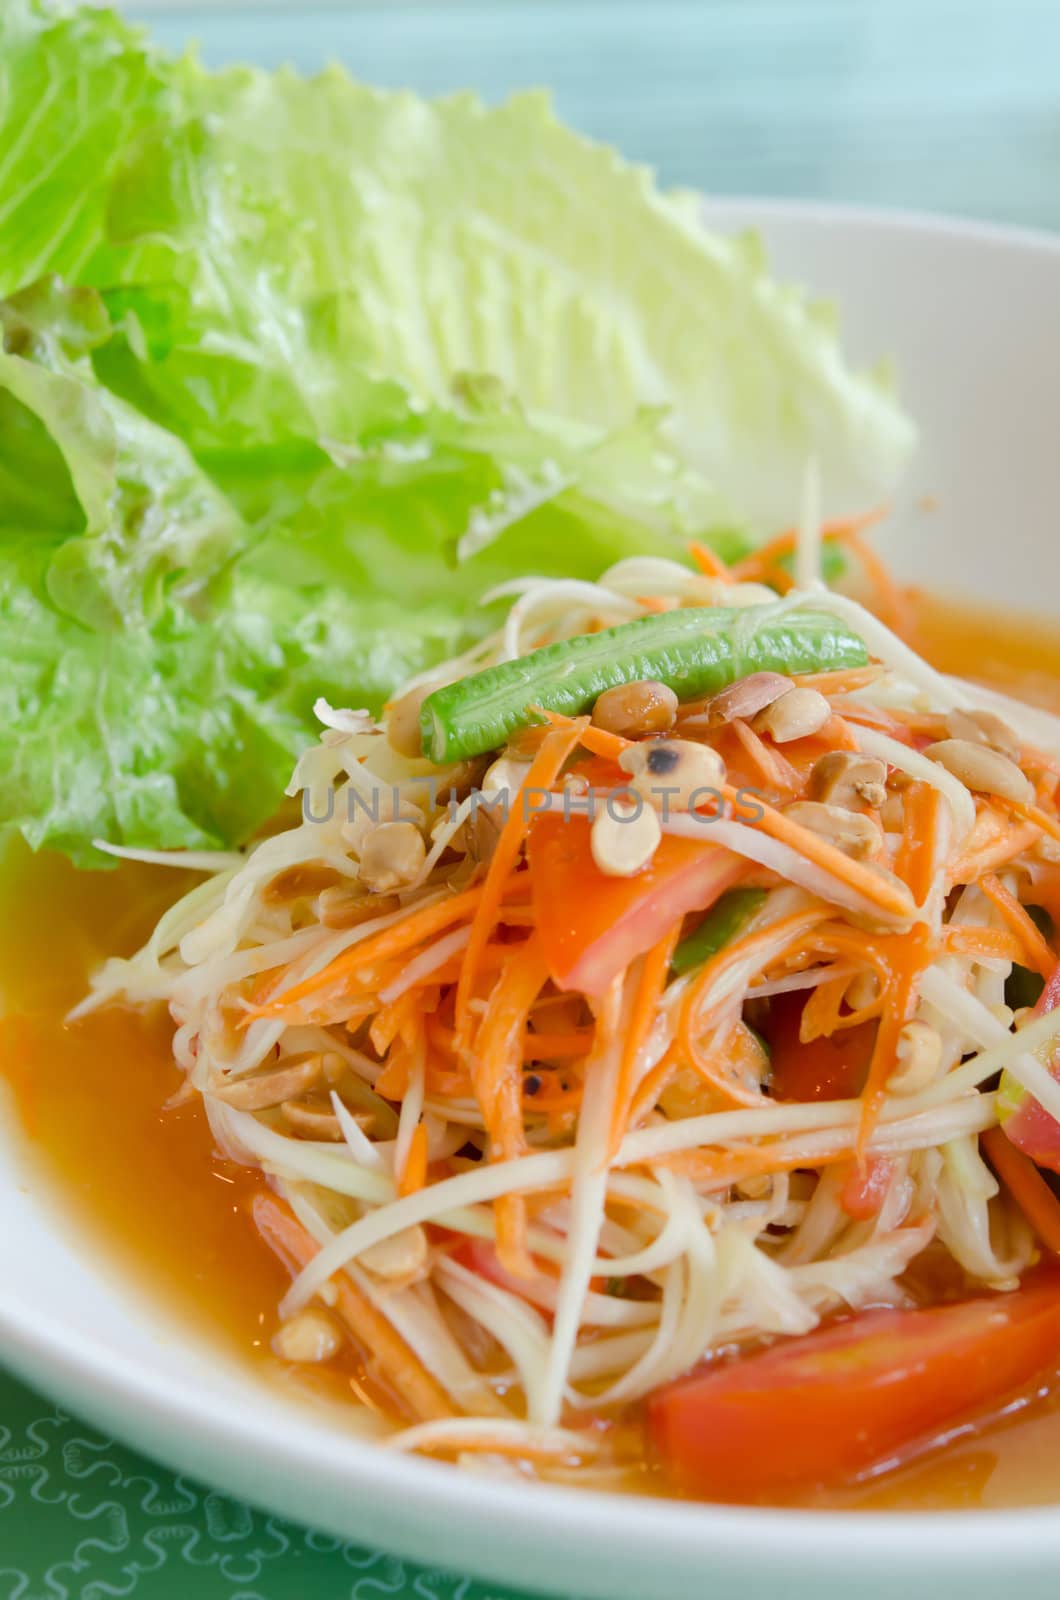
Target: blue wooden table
[915, 103]
[950, 105]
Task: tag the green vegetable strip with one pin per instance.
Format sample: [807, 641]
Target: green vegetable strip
[694, 650]
[719, 927]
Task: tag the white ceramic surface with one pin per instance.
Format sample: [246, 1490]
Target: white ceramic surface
[972, 316]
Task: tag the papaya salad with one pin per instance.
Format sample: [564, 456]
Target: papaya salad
[645, 1031]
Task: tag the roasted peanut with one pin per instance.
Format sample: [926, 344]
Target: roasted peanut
[795, 715]
[760, 1187]
[506, 773]
[633, 710]
[983, 727]
[303, 881]
[919, 1056]
[982, 768]
[672, 774]
[623, 838]
[746, 697]
[403, 721]
[344, 908]
[310, 1335]
[313, 1121]
[257, 1091]
[856, 834]
[398, 1258]
[844, 778]
[392, 853]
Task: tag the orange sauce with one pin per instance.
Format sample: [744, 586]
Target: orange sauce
[141, 1176]
[146, 1183]
[1018, 654]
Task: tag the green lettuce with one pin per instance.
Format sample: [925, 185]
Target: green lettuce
[294, 370]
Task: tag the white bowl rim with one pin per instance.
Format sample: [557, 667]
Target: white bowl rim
[924, 1543]
[897, 219]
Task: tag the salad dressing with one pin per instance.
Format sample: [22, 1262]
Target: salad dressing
[142, 1176]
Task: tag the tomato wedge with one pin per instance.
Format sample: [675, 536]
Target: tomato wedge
[592, 926]
[857, 1395]
[865, 1187]
[479, 1255]
[832, 1067]
[1025, 1120]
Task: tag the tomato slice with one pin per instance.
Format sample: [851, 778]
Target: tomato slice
[856, 1395]
[480, 1256]
[1028, 1125]
[592, 926]
[832, 1067]
[865, 1187]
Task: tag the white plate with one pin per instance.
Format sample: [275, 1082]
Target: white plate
[972, 316]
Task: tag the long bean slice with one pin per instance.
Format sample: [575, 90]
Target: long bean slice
[719, 927]
[695, 651]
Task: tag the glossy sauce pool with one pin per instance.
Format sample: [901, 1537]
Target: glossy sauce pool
[144, 1180]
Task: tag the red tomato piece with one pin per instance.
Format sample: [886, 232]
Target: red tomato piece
[592, 926]
[832, 1067]
[479, 1255]
[865, 1189]
[1027, 1124]
[856, 1395]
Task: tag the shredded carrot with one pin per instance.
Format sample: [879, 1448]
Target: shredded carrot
[845, 680]
[538, 1044]
[867, 716]
[557, 1046]
[881, 890]
[393, 1082]
[555, 1093]
[1026, 1185]
[1039, 956]
[544, 770]
[768, 764]
[597, 740]
[413, 1175]
[719, 1169]
[390, 1020]
[764, 560]
[993, 842]
[402, 1368]
[908, 959]
[655, 967]
[651, 1086]
[496, 1075]
[991, 944]
[396, 940]
[1031, 756]
[891, 605]
[837, 734]
[709, 564]
[496, 1056]
[923, 819]
[821, 1013]
[1041, 819]
[715, 1067]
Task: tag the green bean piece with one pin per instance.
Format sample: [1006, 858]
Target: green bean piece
[719, 927]
[695, 650]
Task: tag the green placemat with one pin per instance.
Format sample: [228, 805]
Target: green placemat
[83, 1518]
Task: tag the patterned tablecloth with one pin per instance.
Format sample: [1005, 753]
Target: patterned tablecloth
[922, 103]
[82, 1518]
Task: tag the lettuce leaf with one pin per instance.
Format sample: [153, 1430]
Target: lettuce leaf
[293, 370]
